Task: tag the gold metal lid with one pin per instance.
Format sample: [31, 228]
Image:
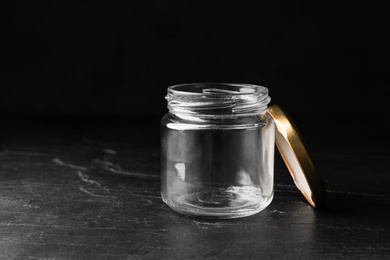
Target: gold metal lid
[297, 158]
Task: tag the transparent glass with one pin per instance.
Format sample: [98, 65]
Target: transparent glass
[217, 150]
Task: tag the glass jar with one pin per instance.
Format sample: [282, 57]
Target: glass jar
[217, 150]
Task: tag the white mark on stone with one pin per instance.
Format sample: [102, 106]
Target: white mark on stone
[84, 177]
[110, 151]
[81, 188]
[279, 212]
[206, 225]
[134, 174]
[59, 162]
[31, 206]
[93, 194]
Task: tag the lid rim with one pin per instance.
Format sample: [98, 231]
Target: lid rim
[301, 157]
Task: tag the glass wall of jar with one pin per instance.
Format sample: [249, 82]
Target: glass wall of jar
[217, 150]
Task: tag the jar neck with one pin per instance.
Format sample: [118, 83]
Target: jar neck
[217, 100]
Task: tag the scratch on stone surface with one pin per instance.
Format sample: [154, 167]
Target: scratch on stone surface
[145, 195]
[110, 151]
[109, 167]
[59, 162]
[206, 225]
[84, 177]
[106, 164]
[279, 212]
[81, 188]
[31, 206]
[135, 174]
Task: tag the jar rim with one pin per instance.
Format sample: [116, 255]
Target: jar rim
[217, 88]
[217, 99]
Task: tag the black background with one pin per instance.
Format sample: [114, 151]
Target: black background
[89, 58]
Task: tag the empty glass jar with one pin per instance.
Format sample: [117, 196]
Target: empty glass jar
[217, 150]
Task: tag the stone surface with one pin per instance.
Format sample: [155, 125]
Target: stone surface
[71, 190]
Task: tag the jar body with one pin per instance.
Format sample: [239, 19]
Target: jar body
[219, 167]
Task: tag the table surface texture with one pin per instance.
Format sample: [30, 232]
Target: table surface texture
[90, 189]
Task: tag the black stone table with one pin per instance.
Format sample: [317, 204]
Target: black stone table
[89, 189]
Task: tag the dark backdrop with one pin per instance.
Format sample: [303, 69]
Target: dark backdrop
[118, 57]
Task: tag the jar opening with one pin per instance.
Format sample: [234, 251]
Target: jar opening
[217, 99]
[216, 88]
